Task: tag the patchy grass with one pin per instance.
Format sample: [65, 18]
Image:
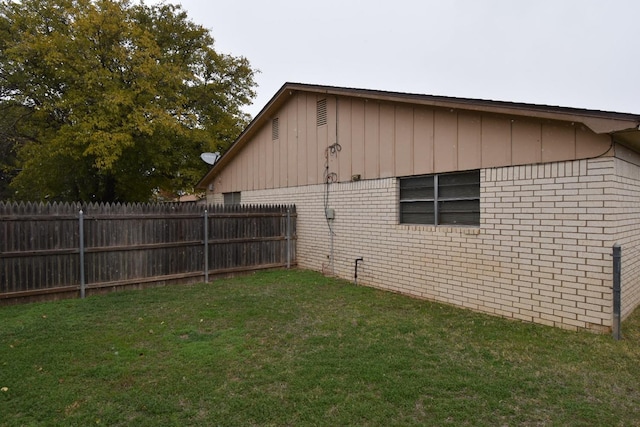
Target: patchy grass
[296, 348]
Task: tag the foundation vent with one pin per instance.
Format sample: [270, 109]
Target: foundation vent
[321, 112]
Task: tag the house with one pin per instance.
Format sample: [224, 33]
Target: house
[504, 208]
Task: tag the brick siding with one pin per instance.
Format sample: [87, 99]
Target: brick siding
[625, 214]
[542, 252]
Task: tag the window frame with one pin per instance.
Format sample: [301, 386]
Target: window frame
[437, 199]
[232, 198]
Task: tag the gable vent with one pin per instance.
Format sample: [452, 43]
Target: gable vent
[321, 112]
[275, 129]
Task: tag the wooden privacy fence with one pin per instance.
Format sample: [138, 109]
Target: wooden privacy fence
[52, 249]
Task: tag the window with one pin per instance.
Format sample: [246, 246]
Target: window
[231, 198]
[443, 199]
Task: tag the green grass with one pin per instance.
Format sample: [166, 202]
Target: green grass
[295, 348]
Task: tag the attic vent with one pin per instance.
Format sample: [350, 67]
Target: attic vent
[321, 112]
[275, 129]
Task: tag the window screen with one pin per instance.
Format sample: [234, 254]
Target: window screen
[443, 199]
[231, 198]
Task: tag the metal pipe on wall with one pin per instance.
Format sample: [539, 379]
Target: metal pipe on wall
[617, 282]
[355, 273]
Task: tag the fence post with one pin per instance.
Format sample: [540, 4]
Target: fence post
[206, 246]
[617, 279]
[288, 237]
[81, 249]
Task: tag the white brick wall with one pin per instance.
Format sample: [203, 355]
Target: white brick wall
[558, 250]
[542, 252]
[626, 214]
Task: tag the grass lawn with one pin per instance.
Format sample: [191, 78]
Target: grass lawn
[295, 348]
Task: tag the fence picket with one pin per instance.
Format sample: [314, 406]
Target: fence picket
[127, 244]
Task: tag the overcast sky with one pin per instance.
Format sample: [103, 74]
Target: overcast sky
[572, 53]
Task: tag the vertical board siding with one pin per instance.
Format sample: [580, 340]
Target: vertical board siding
[345, 141]
[357, 138]
[423, 150]
[386, 157]
[371, 151]
[496, 141]
[469, 141]
[446, 141]
[268, 161]
[527, 142]
[313, 161]
[134, 243]
[558, 142]
[403, 144]
[390, 139]
[322, 142]
[301, 128]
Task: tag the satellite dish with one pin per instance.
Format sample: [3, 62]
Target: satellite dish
[210, 158]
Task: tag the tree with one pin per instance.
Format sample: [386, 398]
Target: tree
[111, 101]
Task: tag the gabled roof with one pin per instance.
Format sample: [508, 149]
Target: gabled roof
[624, 127]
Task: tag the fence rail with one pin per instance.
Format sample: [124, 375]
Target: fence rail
[60, 248]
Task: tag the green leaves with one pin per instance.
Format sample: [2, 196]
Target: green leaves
[117, 92]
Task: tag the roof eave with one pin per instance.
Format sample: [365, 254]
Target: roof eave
[598, 121]
[262, 117]
[624, 126]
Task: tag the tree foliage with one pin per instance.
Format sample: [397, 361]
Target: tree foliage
[106, 100]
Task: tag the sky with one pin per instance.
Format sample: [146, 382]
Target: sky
[570, 53]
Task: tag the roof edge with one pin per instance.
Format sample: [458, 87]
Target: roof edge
[600, 122]
[594, 119]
